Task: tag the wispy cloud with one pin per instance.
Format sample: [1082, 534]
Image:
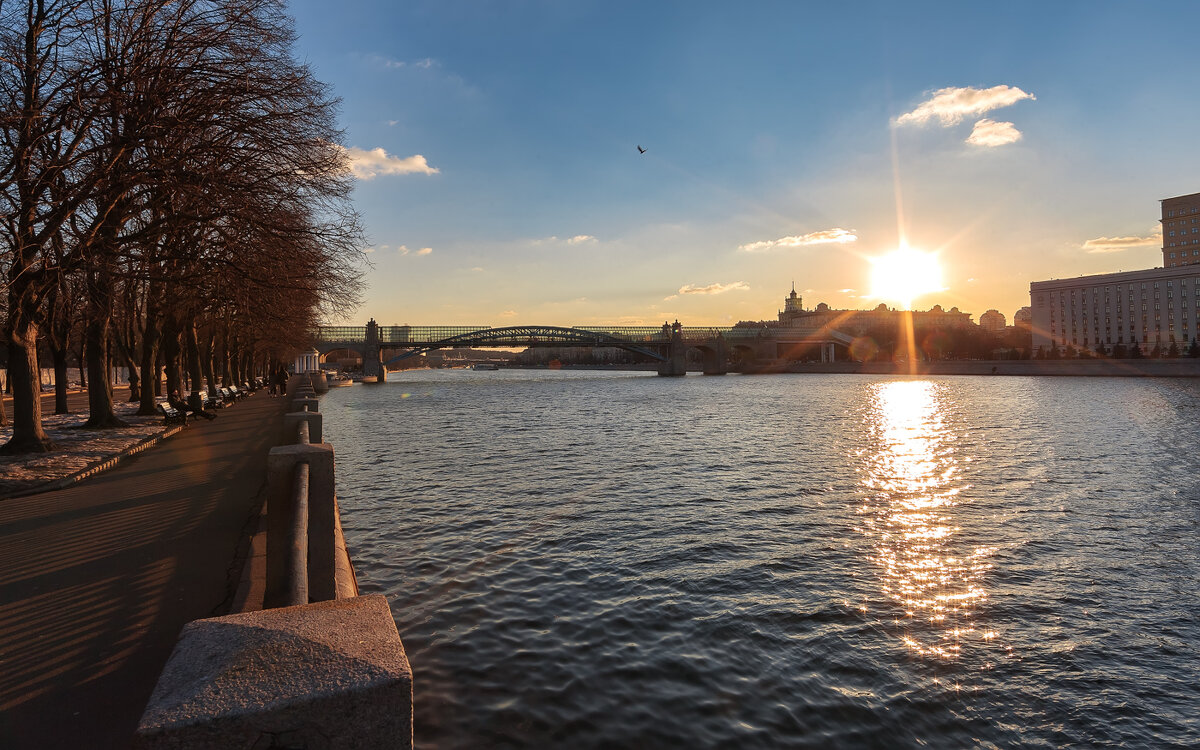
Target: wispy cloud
[554, 239]
[509, 314]
[403, 250]
[950, 106]
[393, 64]
[1117, 244]
[990, 134]
[368, 164]
[368, 249]
[824, 236]
[739, 286]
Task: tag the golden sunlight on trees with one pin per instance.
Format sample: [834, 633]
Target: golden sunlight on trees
[174, 190]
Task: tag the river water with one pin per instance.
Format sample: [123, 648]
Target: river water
[603, 559]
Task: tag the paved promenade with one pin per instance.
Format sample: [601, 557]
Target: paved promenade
[96, 580]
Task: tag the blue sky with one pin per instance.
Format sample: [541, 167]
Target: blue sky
[500, 182]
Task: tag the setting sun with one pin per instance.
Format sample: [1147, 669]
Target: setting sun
[905, 274]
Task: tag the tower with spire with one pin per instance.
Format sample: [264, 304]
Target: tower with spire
[793, 303]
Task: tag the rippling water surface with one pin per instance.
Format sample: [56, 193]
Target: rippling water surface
[581, 559]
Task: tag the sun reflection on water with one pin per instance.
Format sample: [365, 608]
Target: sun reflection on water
[911, 482]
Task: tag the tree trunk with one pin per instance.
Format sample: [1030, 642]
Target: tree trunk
[170, 345]
[150, 384]
[28, 435]
[59, 355]
[100, 401]
[206, 362]
[192, 352]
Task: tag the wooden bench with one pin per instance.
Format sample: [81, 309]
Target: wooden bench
[171, 415]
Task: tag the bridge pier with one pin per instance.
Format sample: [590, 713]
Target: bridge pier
[372, 366]
[676, 363]
[716, 357]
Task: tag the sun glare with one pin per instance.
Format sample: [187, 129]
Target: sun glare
[903, 275]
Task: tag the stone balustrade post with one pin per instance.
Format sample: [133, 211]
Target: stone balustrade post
[322, 520]
[292, 420]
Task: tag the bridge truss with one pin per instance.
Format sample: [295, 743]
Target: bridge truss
[645, 341]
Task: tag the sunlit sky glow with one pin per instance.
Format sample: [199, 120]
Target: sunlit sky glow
[495, 146]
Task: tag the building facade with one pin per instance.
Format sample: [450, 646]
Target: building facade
[993, 320]
[1155, 307]
[823, 316]
[1181, 230]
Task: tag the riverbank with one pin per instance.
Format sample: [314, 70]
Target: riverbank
[1107, 368]
[98, 578]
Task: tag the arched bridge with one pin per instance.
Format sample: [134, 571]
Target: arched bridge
[667, 343]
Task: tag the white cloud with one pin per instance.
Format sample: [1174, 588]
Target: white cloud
[425, 251]
[509, 314]
[824, 236]
[1117, 244]
[740, 286]
[392, 64]
[476, 269]
[990, 133]
[580, 239]
[950, 106]
[402, 249]
[368, 249]
[369, 164]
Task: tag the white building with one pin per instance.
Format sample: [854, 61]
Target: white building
[1158, 306]
[1155, 306]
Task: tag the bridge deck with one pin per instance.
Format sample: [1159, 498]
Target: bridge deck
[395, 336]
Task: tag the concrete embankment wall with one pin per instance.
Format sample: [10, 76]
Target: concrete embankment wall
[304, 662]
[1138, 368]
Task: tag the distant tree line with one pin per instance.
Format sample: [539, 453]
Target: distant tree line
[1133, 350]
[174, 197]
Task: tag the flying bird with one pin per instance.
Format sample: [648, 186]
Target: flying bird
[641, 150]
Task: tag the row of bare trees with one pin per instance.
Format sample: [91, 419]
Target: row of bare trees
[173, 187]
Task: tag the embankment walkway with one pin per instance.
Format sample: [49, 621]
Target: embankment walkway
[97, 580]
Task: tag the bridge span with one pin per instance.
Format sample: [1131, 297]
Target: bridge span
[669, 344]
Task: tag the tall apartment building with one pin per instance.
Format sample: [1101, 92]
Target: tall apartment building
[1181, 230]
[1154, 307]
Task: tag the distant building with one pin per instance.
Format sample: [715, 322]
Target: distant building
[1023, 318]
[1181, 230]
[992, 320]
[1152, 307]
[823, 316]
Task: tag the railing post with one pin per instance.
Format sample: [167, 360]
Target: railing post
[304, 403]
[322, 521]
[293, 420]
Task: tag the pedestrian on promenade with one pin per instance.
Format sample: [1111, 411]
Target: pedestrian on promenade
[283, 379]
[271, 384]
